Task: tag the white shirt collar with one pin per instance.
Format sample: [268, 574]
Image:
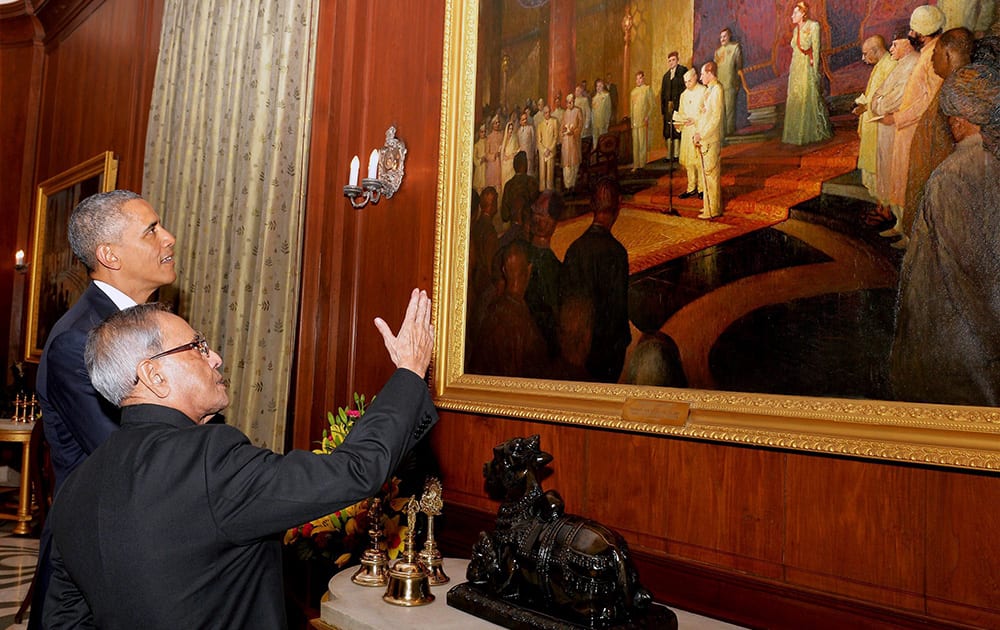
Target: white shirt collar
[121, 300]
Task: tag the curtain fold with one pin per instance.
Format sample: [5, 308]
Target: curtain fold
[225, 166]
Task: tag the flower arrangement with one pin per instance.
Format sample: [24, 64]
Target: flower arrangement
[342, 537]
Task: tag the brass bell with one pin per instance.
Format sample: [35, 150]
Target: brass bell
[431, 504]
[408, 583]
[434, 568]
[372, 572]
[374, 561]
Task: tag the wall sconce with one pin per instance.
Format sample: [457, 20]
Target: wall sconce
[385, 172]
[19, 265]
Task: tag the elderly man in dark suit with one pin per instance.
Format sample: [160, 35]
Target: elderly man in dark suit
[671, 88]
[118, 237]
[172, 522]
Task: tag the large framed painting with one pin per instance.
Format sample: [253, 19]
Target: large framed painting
[774, 325]
[57, 277]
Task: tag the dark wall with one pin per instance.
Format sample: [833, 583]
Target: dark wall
[17, 54]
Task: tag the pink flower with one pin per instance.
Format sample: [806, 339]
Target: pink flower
[353, 413]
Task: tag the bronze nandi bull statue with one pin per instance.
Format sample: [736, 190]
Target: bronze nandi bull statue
[562, 565]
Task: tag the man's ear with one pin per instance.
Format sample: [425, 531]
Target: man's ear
[107, 257]
[153, 379]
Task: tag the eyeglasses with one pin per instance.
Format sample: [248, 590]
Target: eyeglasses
[200, 344]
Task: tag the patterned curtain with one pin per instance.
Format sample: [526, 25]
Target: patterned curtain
[226, 157]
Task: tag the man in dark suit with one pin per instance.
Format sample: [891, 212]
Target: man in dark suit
[118, 237]
[518, 195]
[174, 523]
[594, 284]
[670, 96]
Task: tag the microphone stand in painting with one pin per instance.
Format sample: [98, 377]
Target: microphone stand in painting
[670, 162]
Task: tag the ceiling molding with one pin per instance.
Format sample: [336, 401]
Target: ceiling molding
[58, 18]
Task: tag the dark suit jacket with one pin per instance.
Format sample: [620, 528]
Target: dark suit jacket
[670, 92]
[518, 195]
[75, 417]
[595, 270]
[176, 525]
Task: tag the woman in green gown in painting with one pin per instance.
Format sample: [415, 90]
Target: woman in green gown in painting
[806, 119]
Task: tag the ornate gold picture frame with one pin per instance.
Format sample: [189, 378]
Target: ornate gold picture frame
[944, 435]
[57, 277]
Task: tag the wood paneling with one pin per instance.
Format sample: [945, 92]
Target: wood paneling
[856, 528]
[726, 506]
[17, 93]
[97, 88]
[763, 538]
[963, 547]
[359, 264]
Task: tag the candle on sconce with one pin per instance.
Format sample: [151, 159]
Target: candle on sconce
[382, 179]
[355, 167]
[19, 258]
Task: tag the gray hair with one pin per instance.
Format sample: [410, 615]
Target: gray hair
[118, 345]
[95, 220]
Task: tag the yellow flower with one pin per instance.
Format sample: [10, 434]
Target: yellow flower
[395, 536]
[323, 524]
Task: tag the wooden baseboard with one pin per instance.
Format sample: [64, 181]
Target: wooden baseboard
[718, 592]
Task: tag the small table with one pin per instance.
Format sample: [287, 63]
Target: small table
[11, 431]
[347, 606]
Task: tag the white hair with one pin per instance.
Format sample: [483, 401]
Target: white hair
[118, 345]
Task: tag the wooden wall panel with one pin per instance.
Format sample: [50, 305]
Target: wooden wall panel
[97, 88]
[396, 249]
[17, 93]
[963, 546]
[727, 506]
[624, 487]
[359, 264]
[324, 262]
[857, 528]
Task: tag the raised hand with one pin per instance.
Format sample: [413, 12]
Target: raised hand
[411, 348]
